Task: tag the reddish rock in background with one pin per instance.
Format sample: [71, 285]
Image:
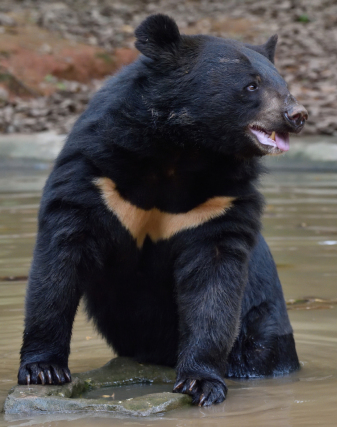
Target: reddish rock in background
[32, 55]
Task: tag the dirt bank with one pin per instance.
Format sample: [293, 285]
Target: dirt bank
[53, 55]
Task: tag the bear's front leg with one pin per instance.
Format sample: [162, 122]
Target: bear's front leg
[54, 290]
[66, 258]
[52, 298]
[210, 276]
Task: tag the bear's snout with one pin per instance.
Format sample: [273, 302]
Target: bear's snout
[296, 116]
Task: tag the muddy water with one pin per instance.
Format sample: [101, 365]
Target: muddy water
[300, 225]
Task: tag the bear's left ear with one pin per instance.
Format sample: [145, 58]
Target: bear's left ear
[267, 49]
[158, 37]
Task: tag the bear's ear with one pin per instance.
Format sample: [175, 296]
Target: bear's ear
[267, 49]
[158, 37]
[270, 48]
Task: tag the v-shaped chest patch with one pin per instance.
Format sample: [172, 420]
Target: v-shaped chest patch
[154, 223]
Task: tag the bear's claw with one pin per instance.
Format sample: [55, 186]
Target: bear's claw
[178, 385]
[202, 400]
[193, 383]
[42, 378]
[50, 381]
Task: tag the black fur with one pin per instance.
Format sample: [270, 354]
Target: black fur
[205, 295]
[158, 36]
[267, 49]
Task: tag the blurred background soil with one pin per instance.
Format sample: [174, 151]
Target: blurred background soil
[55, 55]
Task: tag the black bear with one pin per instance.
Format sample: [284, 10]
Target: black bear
[152, 215]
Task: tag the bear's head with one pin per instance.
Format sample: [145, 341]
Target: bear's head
[216, 93]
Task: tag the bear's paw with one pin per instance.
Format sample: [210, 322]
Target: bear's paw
[43, 373]
[203, 392]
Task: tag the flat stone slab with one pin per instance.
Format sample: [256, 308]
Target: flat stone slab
[118, 372]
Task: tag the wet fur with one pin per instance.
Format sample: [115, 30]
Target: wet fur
[205, 298]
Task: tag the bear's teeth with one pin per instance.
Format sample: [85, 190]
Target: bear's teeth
[272, 136]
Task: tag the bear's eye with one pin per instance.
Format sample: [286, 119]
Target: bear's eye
[252, 87]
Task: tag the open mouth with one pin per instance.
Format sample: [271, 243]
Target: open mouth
[274, 139]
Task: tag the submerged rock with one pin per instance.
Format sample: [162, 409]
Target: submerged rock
[118, 372]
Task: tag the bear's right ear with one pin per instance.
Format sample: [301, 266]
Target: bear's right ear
[158, 37]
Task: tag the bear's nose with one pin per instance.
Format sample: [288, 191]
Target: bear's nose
[296, 116]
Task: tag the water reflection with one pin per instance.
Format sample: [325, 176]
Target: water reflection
[300, 227]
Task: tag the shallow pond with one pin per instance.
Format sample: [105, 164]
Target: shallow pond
[300, 225]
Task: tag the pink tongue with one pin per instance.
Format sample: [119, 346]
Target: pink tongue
[282, 141]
